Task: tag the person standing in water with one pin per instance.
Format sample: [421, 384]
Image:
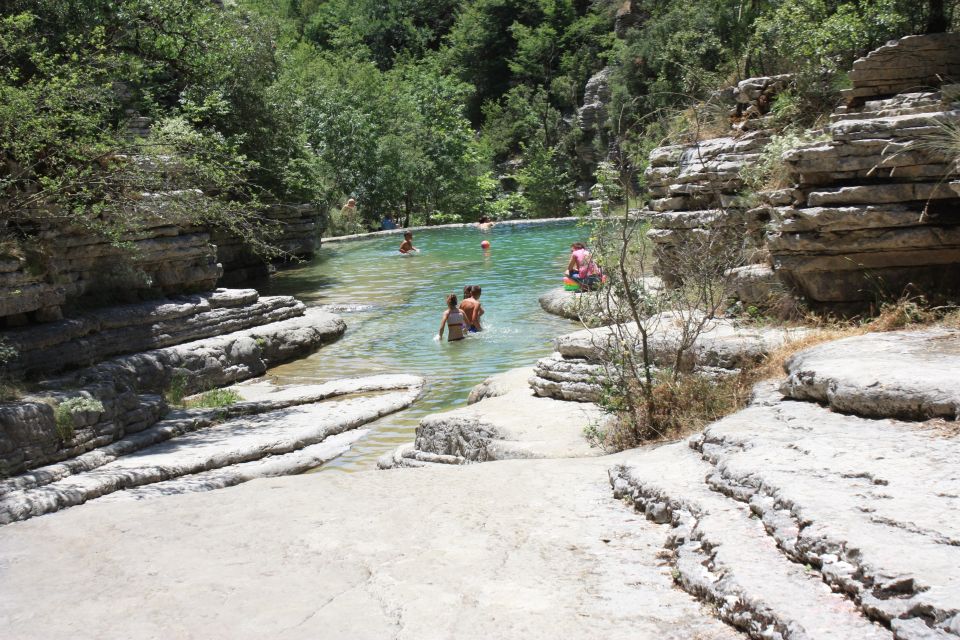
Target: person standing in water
[471, 307]
[452, 319]
[407, 245]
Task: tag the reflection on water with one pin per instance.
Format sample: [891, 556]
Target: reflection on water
[392, 305]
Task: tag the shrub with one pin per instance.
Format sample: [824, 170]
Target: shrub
[215, 399]
[63, 414]
[177, 389]
[770, 171]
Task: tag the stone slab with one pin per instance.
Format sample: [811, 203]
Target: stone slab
[867, 501]
[900, 374]
[532, 549]
[726, 557]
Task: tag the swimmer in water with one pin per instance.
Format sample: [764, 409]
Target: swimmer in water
[452, 319]
[407, 245]
[471, 307]
[485, 223]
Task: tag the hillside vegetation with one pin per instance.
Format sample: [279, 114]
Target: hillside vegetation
[430, 110]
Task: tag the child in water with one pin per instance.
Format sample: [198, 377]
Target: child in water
[407, 245]
[453, 320]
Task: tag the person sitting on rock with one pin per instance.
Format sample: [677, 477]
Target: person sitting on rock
[581, 268]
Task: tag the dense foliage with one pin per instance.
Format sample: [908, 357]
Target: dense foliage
[429, 110]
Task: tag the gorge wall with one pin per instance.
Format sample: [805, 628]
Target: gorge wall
[872, 207]
[874, 212]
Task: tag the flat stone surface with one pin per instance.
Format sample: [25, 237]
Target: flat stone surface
[905, 374]
[516, 425]
[531, 549]
[725, 557]
[870, 501]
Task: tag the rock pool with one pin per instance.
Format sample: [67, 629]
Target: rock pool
[393, 303]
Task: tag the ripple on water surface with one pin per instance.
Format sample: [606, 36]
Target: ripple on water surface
[393, 303]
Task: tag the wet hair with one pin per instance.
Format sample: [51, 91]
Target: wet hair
[578, 245]
[467, 291]
[452, 300]
[407, 234]
[475, 290]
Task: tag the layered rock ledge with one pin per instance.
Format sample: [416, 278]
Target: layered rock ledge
[872, 212]
[200, 450]
[797, 521]
[128, 387]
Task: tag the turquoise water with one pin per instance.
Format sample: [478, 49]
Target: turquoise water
[393, 303]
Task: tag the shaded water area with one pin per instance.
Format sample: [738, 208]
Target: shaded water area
[392, 305]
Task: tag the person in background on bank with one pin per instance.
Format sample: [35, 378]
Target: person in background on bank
[452, 319]
[387, 223]
[582, 268]
[471, 307]
[407, 245]
[349, 219]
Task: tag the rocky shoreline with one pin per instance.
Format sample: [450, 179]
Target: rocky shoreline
[772, 521]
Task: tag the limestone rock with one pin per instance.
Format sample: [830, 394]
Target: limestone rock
[755, 283]
[100, 334]
[864, 500]
[904, 64]
[573, 379]
[723, 343]
[516, 425]
[900, 374]
[534, 549]
[199, 450]
[724, 556]
[873, 212]
[125, 385]
[512, 381]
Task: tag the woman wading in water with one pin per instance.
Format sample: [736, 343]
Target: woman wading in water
[453, 320]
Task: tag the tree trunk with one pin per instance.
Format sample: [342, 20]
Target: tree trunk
[408, 206]
[936, 17]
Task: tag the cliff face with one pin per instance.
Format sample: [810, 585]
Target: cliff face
[875, 210]
[75, 266]
[698, 189]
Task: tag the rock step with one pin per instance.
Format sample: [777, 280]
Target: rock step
[901, 374]
[864, 500]
[122, 329]
[516, 425]
[309, 457]
[574, 379]
[725, 557]
[180, 449]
